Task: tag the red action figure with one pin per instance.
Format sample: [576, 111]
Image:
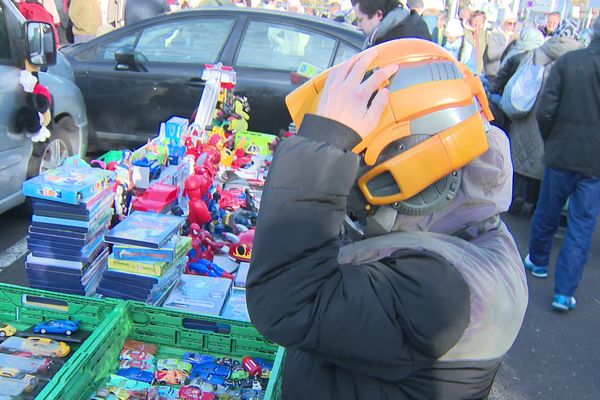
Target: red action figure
[196, 188]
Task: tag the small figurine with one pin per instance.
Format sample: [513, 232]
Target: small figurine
[203, 245]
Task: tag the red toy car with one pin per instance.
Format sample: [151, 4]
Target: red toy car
[136, 355]
[157, 198]
[232, 199]
[195, 393]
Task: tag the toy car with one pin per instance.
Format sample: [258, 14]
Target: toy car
[59, 326]
[163, 393]
[7, 330]
[136, 355]
[45, 347]
[137, 374]
[134, 389]
[29, 380]
[211, 368]
[170, 376]
[232, 199]
[143, 365]
[139, 346]
[195, 358]
[195, 393]
[157, 198]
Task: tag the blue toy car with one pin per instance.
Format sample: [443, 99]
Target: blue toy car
[195, 358]
[137, 374]
[59, 326]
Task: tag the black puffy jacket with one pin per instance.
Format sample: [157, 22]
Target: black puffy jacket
[568, 114]
[370, 331]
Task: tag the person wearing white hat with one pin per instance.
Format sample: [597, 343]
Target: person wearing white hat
[498, 41]
[456, 44]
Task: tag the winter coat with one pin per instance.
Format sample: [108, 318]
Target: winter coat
[137, 10]
[568, 114]
[415, 314]
[497, 43]
[527, 146]
[479, 43]
[86, 17]
[397, 24]
[466, 55]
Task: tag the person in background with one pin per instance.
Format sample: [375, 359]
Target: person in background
[383, 20]
[438, 32]
[569, 122]
[529, 40]
[458, 46]
[335, 12]
[86, 18]
[138, 10]
[464, 15]
[553, 20]
[476, 34]
[498, 41]
[527, 146]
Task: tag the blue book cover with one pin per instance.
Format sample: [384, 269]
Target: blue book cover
[84, 207]
[145, 229]
[236, 307]
[199, 294]
[100, 218]
[68, 184]
[58, 210]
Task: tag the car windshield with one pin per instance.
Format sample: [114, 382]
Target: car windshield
[3, 325]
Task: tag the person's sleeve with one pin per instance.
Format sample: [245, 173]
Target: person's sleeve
[495, 47]
[549, 101]
[504, 74]
[355, 316]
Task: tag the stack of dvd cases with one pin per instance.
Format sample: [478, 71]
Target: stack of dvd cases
[72, 209]
[147, 259]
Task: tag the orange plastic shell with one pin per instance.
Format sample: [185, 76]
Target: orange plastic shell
[432, 159]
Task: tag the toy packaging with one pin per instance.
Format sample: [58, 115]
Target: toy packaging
[254, 143]
[236, 307]
[68, 184]
[242, 275]
[145, 229]
[84, 209]
[176, 248]
[200, 294]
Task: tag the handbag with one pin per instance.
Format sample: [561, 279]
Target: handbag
[522, 89]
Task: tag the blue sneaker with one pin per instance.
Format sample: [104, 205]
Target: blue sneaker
[536, 270]
[563, 303]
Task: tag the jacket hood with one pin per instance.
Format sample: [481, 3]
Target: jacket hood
[557, 46]
[485, 191]
[394, 18]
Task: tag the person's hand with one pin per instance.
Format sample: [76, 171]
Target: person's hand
[345, 97]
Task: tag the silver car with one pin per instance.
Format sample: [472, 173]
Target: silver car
[20, 158]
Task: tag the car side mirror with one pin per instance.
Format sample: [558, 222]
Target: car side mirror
[125, 57]
[40, 44]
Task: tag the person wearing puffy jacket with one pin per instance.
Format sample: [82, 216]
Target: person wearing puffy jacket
[382, 266]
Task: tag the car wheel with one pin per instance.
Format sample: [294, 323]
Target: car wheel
[42, 331]
[68, 333]
[2, 333]
[62, 144]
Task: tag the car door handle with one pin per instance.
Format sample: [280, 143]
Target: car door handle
[195, 82]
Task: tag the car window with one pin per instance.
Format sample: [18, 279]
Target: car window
[281, 47]
[193, 41]
[344, 52]
[106, 51]
[4, 38]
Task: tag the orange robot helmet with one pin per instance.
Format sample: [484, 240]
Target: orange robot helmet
[434, 124]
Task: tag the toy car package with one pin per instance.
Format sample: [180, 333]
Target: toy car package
[68, 184]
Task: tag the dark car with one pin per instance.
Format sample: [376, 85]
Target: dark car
[161, 61]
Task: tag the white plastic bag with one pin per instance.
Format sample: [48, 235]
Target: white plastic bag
[522, 89]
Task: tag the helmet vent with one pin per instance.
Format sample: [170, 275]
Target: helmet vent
[412, 75]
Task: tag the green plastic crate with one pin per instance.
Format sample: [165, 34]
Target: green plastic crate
[175, 333]
[23, 307]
